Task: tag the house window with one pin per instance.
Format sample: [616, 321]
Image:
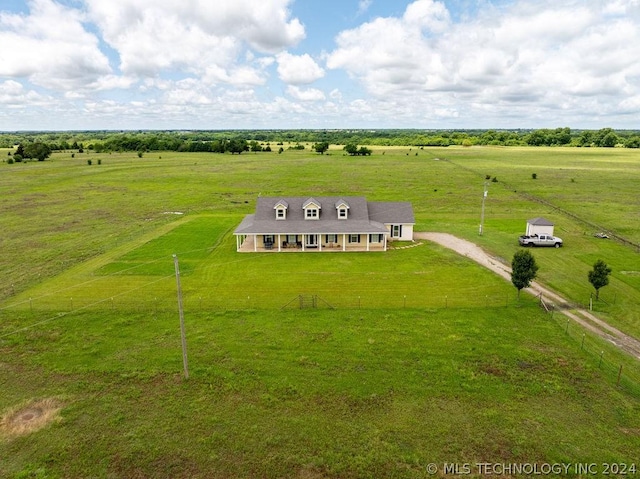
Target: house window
[396, 231]
[269, 239]
[376, 238]
[292, 239]
[311, 213]
[354, 238]
[342, 213]
[281, 214]
[332, 238]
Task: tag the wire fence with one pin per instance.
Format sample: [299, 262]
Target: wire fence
[625, 378]
[141, 299]
[164, 300]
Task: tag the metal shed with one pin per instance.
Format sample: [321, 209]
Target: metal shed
[538, 226]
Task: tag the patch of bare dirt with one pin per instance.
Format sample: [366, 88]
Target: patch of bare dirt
[30, 417]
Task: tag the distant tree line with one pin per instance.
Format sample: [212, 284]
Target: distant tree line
[238, 141]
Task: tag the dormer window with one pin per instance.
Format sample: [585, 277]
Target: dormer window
[311, 209]
[343, 209]
[281, 210]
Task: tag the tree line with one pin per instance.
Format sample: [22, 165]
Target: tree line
[237, 141]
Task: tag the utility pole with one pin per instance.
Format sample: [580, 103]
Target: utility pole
[484, 196]
[180, 309]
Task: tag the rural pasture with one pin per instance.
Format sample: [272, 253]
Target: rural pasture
[414, 356]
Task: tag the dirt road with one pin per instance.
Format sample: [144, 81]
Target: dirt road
[580, 315]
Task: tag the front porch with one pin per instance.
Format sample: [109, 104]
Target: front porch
[311, 243]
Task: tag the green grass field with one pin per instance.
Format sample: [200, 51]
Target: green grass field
[426, 358]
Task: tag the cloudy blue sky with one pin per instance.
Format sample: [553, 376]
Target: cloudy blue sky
[217, 64]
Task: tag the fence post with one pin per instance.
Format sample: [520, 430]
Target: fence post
[600, 363]
[619, 374]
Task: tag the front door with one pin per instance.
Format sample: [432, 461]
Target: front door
[312, 241]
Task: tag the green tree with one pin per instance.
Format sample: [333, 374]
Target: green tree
[37, 150]
[321, 147]
[523, 269]
[609, 140]
[351, 149]
[237, 146]
[599, 276]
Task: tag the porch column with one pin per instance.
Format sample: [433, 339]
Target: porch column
[303, 241]
[279, 243]
[255, 243]
[320, 242]
[368, 241]
[344, 242]
[385, 242]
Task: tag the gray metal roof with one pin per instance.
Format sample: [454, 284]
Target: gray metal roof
[540, 222]
[363, 217]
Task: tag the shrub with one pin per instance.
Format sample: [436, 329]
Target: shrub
[17, 158]
[139, 154]
[89, 162]
[99, 161]
[10, 161]
[494, 179]
[534, 176]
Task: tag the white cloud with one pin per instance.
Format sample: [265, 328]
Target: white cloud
[50, 47]
[298, 69]
[363, 6]
[156, 35]
[548, 55]
[427, 14]
[308, 94]
[189, 63]
[13, 94]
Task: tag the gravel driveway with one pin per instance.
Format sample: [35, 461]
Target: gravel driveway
[580, 315]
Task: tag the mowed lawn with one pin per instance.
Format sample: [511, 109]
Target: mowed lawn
[426, 358]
